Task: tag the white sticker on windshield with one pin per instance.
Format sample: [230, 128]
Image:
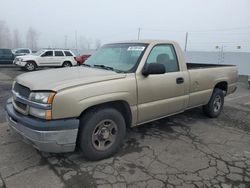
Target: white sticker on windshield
[136, 48]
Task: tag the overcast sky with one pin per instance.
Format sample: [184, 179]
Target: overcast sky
[209, 23]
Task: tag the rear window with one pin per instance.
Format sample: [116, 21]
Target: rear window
[59, 53]
[68, 53]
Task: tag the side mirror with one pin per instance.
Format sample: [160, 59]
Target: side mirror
[153, 68]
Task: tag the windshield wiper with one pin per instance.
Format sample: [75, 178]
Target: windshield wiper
[108, 68]
[104, 67]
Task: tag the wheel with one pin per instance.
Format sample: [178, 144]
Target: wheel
[215, 104]
[101, 134]
[30, 66]
[67, 64]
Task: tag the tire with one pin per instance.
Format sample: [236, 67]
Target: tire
[101, 133]
[66, 64]
[30, 66]
[215, 104]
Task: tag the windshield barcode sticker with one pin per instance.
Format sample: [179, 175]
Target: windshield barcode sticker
[136, 48]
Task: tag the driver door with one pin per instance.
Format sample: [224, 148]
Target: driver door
[160, 95]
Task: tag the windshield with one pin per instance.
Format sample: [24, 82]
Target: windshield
[122, 57]
[40, 52]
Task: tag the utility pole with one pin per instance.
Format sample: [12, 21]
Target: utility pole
[222, 53]
[186, 40]
[76, 41]
[66, 40]
[139, 32]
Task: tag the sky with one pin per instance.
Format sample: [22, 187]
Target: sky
[59, 23]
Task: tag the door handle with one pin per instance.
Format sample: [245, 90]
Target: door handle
[179, 80]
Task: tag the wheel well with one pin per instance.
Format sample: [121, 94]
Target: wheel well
[32, 61]
[121, 106]
[67, 62]
[222, 85]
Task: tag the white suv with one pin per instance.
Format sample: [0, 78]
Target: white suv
[46, 58]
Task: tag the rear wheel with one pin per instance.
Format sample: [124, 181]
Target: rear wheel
[67, 64]
[215, 104]
[102, 132]
[30, 66]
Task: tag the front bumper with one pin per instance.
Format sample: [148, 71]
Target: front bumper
[55, 136]
[19, 63]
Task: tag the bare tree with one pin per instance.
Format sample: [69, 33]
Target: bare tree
[32, 38]
[98, 43]
[16, 39]
[5, 37]
[82, 43]
[2, 26]
[85, 43]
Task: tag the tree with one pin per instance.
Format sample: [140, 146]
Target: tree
[32, 38]
[5, 37]
[98, 43]
[16, 39]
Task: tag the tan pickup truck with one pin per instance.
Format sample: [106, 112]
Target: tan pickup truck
[122, 85]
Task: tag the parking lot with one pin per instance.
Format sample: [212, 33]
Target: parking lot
[186, 150]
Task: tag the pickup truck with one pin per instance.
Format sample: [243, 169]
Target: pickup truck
[122, 85]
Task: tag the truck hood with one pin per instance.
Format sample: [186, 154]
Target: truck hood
[63, 78]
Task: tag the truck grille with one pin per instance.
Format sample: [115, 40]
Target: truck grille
[24, 92]
[21, 105]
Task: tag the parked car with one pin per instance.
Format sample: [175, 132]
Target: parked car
[82, 58]
[22, 51]
[46, 58]
[6, 56]
[122, 85]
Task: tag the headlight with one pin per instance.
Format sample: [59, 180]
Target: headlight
[41, 99]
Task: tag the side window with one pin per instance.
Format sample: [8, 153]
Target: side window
[59, 53]
[67, 53]
[164, 54]
[47, 54]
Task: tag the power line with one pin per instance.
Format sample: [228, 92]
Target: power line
[194, 31]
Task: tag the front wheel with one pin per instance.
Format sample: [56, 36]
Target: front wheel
[215, 104]
[30, 66]
[101, 134]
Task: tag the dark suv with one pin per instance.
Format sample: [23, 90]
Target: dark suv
[6, 56]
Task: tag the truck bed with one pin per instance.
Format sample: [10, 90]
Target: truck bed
[203, 65]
